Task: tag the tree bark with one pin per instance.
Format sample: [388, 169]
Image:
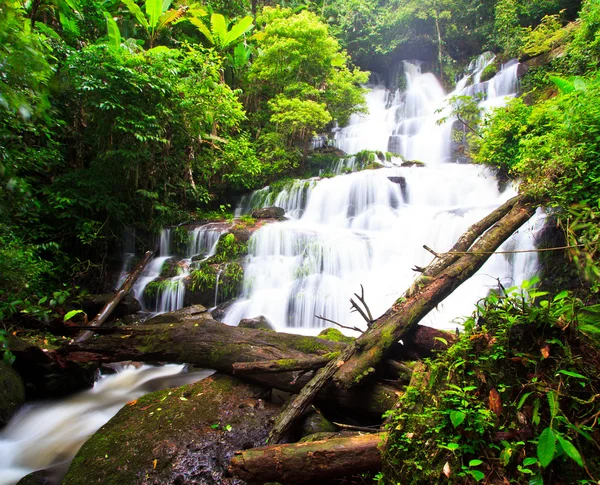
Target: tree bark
[112, 304]
[406, 313]
[204, 342]
[281, 365]
[309, 462]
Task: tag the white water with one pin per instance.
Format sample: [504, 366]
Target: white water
[201, 245]
[361, 228]
[47, 435]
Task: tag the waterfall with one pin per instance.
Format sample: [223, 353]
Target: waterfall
[47, 435]
[367, 228]
[170, 295]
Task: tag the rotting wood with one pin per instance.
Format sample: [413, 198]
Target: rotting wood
[281, 365]
[310, 462]
[114, 301]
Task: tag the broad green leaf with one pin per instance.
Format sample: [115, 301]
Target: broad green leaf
[166, 4]
[218, 27]
[475, 462]
[457, 417]
[546, 447]
[452, 446]
[204, 30]
[570, 450]
[564, 86]
[523, 399]
[137, 12]
[238, 30]
[71, 314]
[553, 403]
[529, 461]
[571, 374]
[442, 340]
[561, 296]
[169, 17]
[114, 35]
[154, 11]
[477, 475]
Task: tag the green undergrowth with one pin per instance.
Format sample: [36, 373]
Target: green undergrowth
[515, 400]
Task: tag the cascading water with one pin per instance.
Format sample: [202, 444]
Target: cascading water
[369, 227]
[47, 435]
[170, 295]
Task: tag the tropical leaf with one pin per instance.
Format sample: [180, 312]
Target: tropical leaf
[563, 85]
[457, 417]
[239, 29]
[68, 23]
[204, 30]
[114, 35]
[137, 12]
[218, 27]
[166, 4]
[154, 11]
[71, 314]
[169, 17]
[570, 450]
[553, 403]
[546, 447]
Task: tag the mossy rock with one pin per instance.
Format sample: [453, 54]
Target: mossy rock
[489, 72]
[412, 163]
[189, 313]
[260, 322]
[314, 422]
[176, 436]
[12, 392]
[335, 335]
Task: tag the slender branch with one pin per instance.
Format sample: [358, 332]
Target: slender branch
[355, 308]
[432, 251]
[362, 300]
[356, 329]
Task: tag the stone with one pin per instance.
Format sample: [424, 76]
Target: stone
[12, 392]
[256, 322]
[189, 313]
[269, 213]
[314, 422]
[182, 436]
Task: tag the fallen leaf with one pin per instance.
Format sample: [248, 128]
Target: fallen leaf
[154, 464]
[132, 403]
[545, 350]
[495, 402]
[446, 470]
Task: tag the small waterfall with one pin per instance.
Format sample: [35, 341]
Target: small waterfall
[369, 227]
[47, 435]
[128, 254]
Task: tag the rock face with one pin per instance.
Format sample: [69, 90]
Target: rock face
[12, 392]
[269, 213]
[176, 436]
[256, 322]
[92, 304]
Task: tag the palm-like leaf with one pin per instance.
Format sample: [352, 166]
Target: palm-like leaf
[238, 30]
[114, 36]
[169, 17]
[137, 12]
[219, 28]
[154, 11]
[201, 26]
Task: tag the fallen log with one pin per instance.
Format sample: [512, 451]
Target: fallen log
[118, 296]
[406, 313]
[371, 347]
[281, 365]
[204, 342]
[309, 462]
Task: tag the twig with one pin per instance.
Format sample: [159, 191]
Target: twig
[427, 248]
[356, 329]
[300, 374]
[368, 429]
[439, 255]
[362, 300]
[355, 308]
[418, 269]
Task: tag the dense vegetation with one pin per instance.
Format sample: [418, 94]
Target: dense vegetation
[149, 113]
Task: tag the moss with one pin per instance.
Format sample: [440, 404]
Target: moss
[489, 72]
[12, 392]
[334, 335]
[309, 345]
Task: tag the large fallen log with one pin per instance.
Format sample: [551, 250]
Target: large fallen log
[408, 310]
[118, 296]
[372, 347]
[309, 462]
[203, 342]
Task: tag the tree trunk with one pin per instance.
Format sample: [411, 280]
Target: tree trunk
[112, 304]
[309, 462]
[406, 313]
[281, 365]
[204, 342]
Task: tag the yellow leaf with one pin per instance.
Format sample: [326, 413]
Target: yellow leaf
[154, 464]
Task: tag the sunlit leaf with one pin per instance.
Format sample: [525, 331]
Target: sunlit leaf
[546, 447]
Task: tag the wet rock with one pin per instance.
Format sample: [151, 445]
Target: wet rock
[269, 213]
[314, 422]
[256, 322]
[12, 392]
[183, 436]
[190, 313]
[412, 163]
[40, 477]
[92, 304]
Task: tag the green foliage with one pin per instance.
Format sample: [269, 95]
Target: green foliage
[157, 18]
[219, 35]
[7, 356]
[545, 37]
[514, 368]
[229, 249]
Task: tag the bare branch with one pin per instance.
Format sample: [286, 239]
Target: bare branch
[356, 329]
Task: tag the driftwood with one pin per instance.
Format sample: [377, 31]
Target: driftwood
[309, 462]
[360, 359]
[118, 296]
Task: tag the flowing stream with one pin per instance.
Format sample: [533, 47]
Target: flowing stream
[47, 435]
[368, 228]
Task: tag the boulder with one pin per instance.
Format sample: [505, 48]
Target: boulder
[12, 392]
[92, 304]
[269, 213]
[314, 422]
[182, 436]
[256, 322]
[189, 313]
